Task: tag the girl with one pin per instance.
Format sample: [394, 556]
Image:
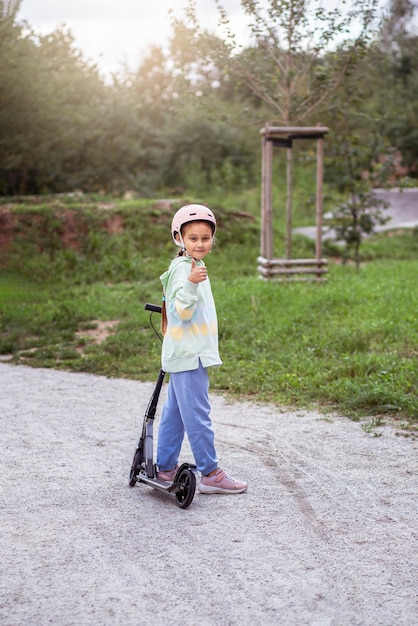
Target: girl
[190, 346]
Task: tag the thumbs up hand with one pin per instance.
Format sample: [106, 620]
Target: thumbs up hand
[198, 273]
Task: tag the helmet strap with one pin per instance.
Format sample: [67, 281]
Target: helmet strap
[183, 247]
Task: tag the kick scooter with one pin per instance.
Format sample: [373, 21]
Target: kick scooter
[143, 469]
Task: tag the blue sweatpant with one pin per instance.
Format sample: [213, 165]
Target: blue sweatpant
[187, 409]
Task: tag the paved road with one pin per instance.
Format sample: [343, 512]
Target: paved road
[403, 211]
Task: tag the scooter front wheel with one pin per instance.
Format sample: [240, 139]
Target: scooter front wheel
[187, 487]
[135, 467]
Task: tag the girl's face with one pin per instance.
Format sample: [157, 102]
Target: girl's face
[197, 239]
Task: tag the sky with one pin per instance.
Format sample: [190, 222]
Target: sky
[112, 33]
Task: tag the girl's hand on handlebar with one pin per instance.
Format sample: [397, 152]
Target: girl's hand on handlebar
[198, 273]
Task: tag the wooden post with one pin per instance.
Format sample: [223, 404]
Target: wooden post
[263, 198]
[266, 200]
[268, 266]
[319, 185]
[289, 194]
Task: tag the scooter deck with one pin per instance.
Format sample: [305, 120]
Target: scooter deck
[163, 485]
[155, 483]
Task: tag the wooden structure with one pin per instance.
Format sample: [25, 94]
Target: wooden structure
[268, 266]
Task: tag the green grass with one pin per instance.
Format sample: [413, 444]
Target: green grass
[348, 345]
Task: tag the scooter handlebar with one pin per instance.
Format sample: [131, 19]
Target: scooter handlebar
[156, 308]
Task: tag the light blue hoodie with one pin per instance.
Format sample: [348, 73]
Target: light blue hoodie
[192, 325]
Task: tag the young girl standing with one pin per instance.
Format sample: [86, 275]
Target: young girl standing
[190, 346]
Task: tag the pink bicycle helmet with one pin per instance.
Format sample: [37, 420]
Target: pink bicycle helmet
[191, 213]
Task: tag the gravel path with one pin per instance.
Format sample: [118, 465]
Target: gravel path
[326, 535]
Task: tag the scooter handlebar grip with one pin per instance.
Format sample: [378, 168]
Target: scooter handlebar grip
[156, 308]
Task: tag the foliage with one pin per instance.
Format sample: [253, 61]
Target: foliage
[49, 96]
[356, 218]
[62, 128]
[8, 9]
[189, 117]
[359, 156]
[398, 48]
[301, 53]
[206, 153]
[356, 172]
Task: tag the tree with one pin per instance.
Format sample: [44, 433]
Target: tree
[300, 55]
[357, 218]
[398, 42]
[397, 25]
[50, 107]
[9, 8]
[359, 157]
[18, 103]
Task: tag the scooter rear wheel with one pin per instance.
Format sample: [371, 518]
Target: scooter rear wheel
[135, 467]
[187, 482]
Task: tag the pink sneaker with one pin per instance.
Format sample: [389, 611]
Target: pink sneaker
[221, 483]
[168, 476]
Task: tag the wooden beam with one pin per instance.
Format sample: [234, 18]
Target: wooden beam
[291, 262]
[309, 131]
[266, 272]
